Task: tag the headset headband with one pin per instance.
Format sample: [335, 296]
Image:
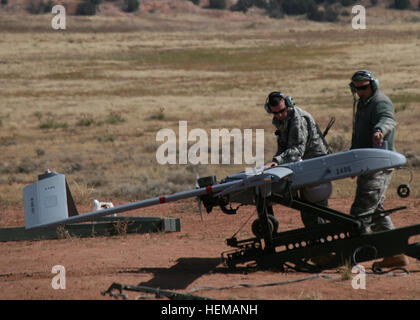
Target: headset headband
[363, 75]
[275, 94]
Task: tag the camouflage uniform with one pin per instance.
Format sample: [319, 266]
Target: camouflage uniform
[299, 137]
[377, 113]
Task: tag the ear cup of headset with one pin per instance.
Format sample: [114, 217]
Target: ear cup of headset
[267, 107]
[375, 84]
[290, 104]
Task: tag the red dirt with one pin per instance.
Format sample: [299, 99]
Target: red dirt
[183, 260]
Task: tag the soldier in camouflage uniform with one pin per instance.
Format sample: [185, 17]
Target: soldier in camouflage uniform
[373, 127]
[298, 138]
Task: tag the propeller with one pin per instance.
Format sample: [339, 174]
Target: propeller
[198, 197]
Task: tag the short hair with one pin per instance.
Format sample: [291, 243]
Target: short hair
[274, 101]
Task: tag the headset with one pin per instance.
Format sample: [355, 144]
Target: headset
[290, 104]
[362, 75]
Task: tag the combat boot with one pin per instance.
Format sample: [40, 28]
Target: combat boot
[399, 260]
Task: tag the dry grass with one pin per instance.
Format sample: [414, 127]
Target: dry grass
[89, 101]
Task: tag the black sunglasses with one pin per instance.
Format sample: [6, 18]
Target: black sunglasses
[362, 88]
[278, 112]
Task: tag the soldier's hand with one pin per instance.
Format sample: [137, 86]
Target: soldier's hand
[377, 138]
[270, 164]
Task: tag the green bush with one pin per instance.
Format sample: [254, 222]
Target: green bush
[87, 7]
[260, 3]
[38, 6]
[402, 4]
[295, 7]
[4, 2]
[347, 3]
[85, 121]
[314, 13]
[48, 6]
[114, 118]
[131, 5]
[35, 7]
[330, 15]
[275, 9]
[218, 4]
[345, 13]
[242, 5]
[51, 123]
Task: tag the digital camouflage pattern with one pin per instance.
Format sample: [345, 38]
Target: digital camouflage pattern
[298, 137]
[370, 197]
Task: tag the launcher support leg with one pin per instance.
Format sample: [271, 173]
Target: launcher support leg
[265, 224]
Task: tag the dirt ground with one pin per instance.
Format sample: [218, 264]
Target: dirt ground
[186, 260]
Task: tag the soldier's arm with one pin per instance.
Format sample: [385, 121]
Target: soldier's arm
[384, 117]
[295, 150]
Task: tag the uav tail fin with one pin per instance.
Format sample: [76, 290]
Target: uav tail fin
[48, 200]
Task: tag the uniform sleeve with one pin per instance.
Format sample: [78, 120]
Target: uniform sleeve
[296, 144]
[384, 117]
